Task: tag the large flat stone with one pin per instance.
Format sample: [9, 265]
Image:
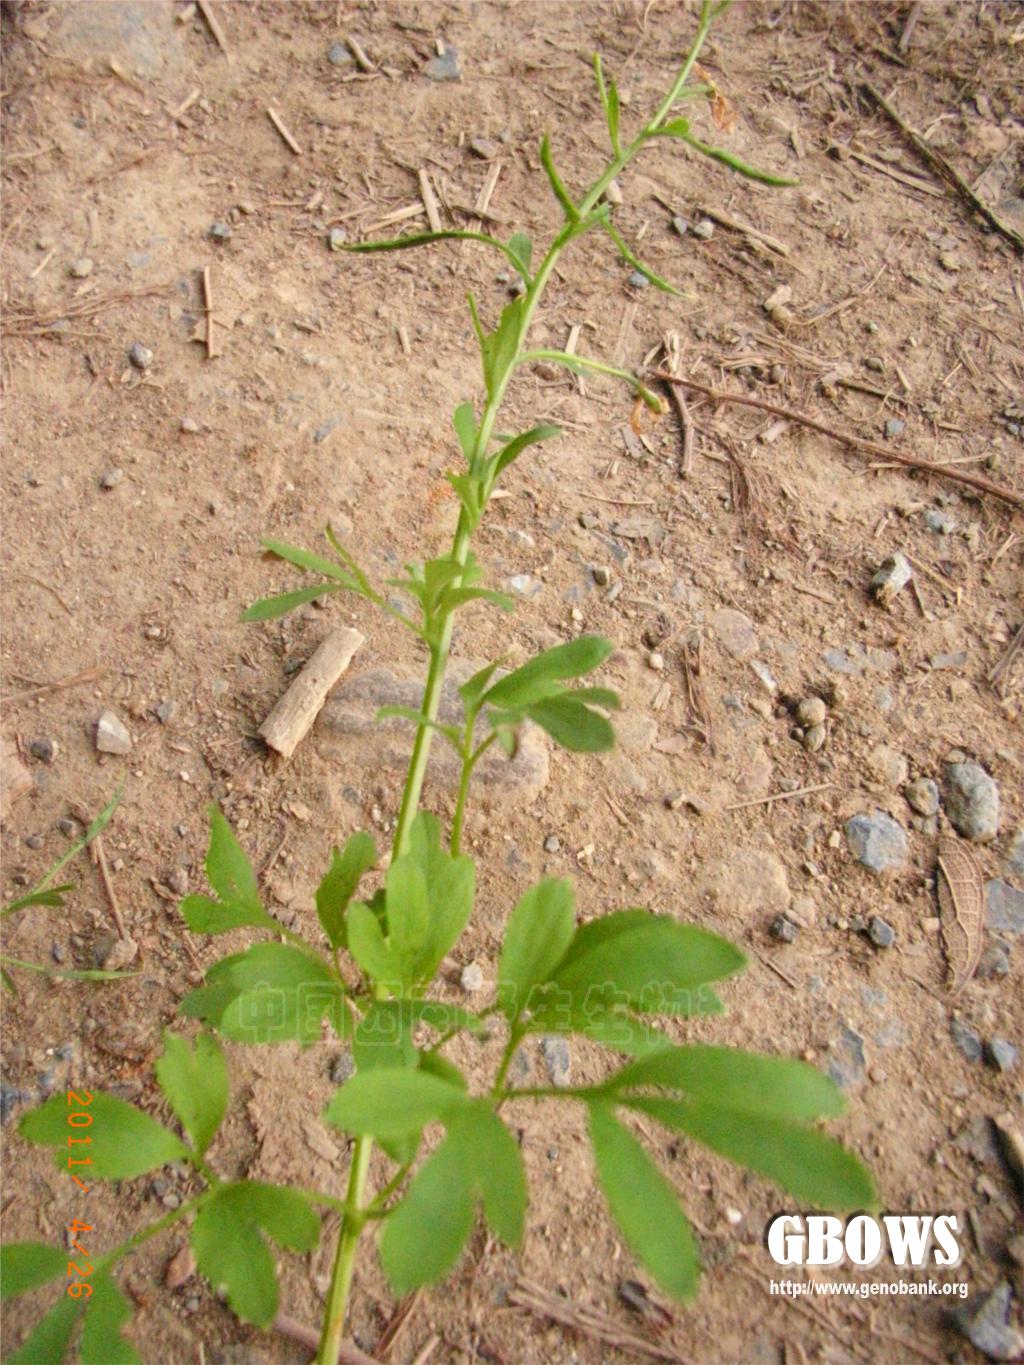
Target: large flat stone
[348, 725]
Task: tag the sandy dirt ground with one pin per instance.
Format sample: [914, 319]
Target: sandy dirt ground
[139, 153]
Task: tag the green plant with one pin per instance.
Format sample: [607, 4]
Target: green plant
[44, 893]
[606, 980]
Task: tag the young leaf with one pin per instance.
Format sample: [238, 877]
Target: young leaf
[520, 250]
[312, 563]
[644, 1205]
[26, 1265]
[735, 164]
[383, 1037]
[426, 238]
[470, 495]
[570, 210]
[269, 608]
[464, 422]
[367, 944]
[231, 876]
[638, 953]
[284, 1214]
[473, 689]
[499, 348]
[544, 432]
[450, 884]
[632, 259]
[106, 1313]
[133, 1143]
[339, 884]
[390, 1103]
[538, 933]
[609, 103]
[675, 127]
[53, 898]
[50, 1341]
[776, 1086]
[572, 725]
[533, 681]
[425, 1235]
[810, 1166]
[196, 1085]
[408, 911]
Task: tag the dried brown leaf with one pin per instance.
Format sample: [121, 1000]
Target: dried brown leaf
[961, 892]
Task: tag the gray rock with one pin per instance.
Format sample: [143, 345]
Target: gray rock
[681, 226]
[552, 844]
[525, 584]
[705, 229]
[812, 711]
[445, 66]
[601, 575]
[339, 55]
[893, 428]
[814, 738]
[140, 356]
[484, 148]
[939, 522]
[857, 659]
[178, 880]
[110, 478]
[326, 428]
[638, 280]
[877, 841]
[951, 659]
[81, 269]
[336, 238]
[846, 1060]
[555, 1051]
[972, 802]
[881, 932]
[219, 232]
[993, 963]
[120, 954]
[111, 735]
[783, 929]
[735, 632]
[342, 1067]
[923, 795]
[190, 426]
[989, 1329]
[1015, 857]
[1004, 910]
[45, 750]
[10, 1098]
[967, 1040]
[1002, 1054]
[892, 575]
[472, 978]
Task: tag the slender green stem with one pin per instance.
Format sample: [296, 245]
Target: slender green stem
[469, 763]
[341, 1278]
[345, 1258]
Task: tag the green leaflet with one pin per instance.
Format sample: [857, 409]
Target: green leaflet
[26, 1265]
[133, 1143]
[537, 936]
[106, 1312]
[339, 884]
[230, 874]
[196, 1085]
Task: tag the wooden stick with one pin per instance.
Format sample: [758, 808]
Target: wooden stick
[856, 442]
[686, 424]
[945, 170]
[211, 346]
[430, 202]
[908, 29]
[206, 10]
[290, 720]
[185, 105]
[483, 200]
[348, 1353]
[723, 219]
[73, 680]
[779, 796]
[108, 886]
[362, 60]
[286, 137]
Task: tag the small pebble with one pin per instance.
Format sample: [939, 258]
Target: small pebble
[68, 827]
[602, 575]
[484, 148]
[190, 426]
[178, 881]
[892, 575]
[812, 711]
[82, 268]
[552, 843]
[110, 478]
[783, 929]
[705, 229]
[140, 356]
[881, 932]
[638, 280]
[472, 978]
[877, 841]
[33, 841]
[656, 661]
[875, 363]
[111, 735]
[444, 67]
[121, 953]
[342, 1067]
[681, 226]
[45, 750]
[814, 738]
[219, 232]
[1002, 1054]
[923, 795]
[339, 55]
[939, 522]
[972, 802]
[967, 1040]
[555, 1051]
[989, 1328]
[993, 963]
[1004, 907]
[893, 428]
[336, 238]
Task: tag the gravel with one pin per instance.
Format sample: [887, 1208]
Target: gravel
[1002, 1054]
[967, 1040]
[881, 932]
[877, 841]
[1004, 907]
[45, 750]
[989, 1329]
[972, 802]
[112, 736]
[555, 1051]
[472, 978]
[140, 356]
[923, 795]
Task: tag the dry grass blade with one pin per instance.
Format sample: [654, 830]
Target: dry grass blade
[961, 891]
[696, 702]
[536, 1299]
[33, 323]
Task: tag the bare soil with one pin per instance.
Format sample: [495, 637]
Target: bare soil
[330, 396]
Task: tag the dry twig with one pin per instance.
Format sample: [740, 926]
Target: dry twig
[206, 10]
[582, 1318]
[856, 442]
[286, 136]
